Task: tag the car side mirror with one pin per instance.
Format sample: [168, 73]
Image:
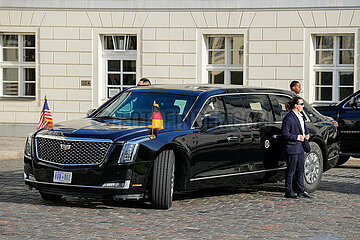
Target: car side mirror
[90, 111]
[209, 122]
[354, 102]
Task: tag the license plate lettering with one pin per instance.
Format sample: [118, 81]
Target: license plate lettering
[62, 177]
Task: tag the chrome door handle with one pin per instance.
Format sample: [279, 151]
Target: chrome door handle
[232, 139]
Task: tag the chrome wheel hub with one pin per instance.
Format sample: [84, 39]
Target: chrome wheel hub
[312, 167]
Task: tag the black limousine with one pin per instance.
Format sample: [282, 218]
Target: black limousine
[347, 114]
[213, 135]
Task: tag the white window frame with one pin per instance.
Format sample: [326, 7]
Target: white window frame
[202, 56]
[21, 65]
[117, 54]
[121, 72]
[335, 67]
[98, 70]
[310, 57]
[120, 55]
[227, 67]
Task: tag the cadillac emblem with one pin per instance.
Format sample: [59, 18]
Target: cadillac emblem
[65, 147]
[267, 143]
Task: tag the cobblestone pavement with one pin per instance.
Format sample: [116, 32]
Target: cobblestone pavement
[259, 212]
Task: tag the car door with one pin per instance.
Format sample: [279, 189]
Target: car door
[237, 116]
[278, 103]
[349, 125]
[265, 148]
[216, 150]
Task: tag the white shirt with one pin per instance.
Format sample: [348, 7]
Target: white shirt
[302, 123]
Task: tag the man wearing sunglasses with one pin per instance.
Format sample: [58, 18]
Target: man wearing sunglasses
[295, 132]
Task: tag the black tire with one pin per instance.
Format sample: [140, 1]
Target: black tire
[342, 160]
[163, 180]
[50, 197]
[313, 168]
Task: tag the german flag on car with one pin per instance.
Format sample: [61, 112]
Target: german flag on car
[157, 120]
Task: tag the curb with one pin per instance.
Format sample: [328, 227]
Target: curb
[11, 155]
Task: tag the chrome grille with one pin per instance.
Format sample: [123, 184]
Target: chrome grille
[63, 151]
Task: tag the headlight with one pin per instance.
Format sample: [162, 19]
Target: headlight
[28, 145]
[130, 149]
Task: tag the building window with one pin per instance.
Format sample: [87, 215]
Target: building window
[225, 59]
[334, 67]
[119, 54]
[17, 65]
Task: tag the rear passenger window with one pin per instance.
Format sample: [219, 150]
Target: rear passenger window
[214, 107]
[311, 114]
[282, 101]
[235, 109]
[259, 109]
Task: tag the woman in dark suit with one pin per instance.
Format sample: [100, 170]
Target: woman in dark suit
[295, 132]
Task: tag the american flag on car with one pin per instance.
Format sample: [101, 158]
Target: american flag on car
[46, 119]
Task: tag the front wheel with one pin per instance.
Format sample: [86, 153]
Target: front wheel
[163, 180]
[313, 168]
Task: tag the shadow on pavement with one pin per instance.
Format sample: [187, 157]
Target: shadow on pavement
[13, 190]
[340, 187]
[210, 192]
[349, 166]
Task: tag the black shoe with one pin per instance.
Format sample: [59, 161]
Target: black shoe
[305, 195]
[291, 195]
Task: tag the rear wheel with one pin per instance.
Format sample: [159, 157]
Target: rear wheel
[50, 197]
[163, 180]
[313, 168]
[342, 160]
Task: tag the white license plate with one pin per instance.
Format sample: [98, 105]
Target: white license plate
[62, 177]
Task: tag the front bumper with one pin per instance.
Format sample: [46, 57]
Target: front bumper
[102, 192]
[106, 182]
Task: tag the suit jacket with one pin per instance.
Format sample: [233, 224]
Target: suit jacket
[290, 130]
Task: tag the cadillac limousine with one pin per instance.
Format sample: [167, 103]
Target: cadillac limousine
[213, 135]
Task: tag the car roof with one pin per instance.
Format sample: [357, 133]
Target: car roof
[197, 89]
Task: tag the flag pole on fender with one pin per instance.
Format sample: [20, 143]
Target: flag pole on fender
[46, 120]
[156, 122]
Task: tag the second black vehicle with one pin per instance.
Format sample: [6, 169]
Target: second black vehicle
[347, 114]
[212, 136]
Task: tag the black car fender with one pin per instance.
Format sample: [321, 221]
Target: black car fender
[171, 141]
[319, 141]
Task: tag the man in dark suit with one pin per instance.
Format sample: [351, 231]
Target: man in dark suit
[295, 132]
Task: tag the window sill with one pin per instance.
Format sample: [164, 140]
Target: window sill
[17, 98]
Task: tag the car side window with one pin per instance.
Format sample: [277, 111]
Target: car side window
[235, 109]
[214, 107]
[259, 109]
[310, 113]
[354, 102]
[282, 101]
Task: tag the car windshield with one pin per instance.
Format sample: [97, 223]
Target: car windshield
[139, 106]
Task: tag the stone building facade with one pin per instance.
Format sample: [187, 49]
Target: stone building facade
[79, 55]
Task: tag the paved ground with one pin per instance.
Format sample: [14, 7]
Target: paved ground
[260, 212]
[11, 147]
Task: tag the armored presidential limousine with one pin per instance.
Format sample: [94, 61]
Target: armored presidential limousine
[213, 135]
